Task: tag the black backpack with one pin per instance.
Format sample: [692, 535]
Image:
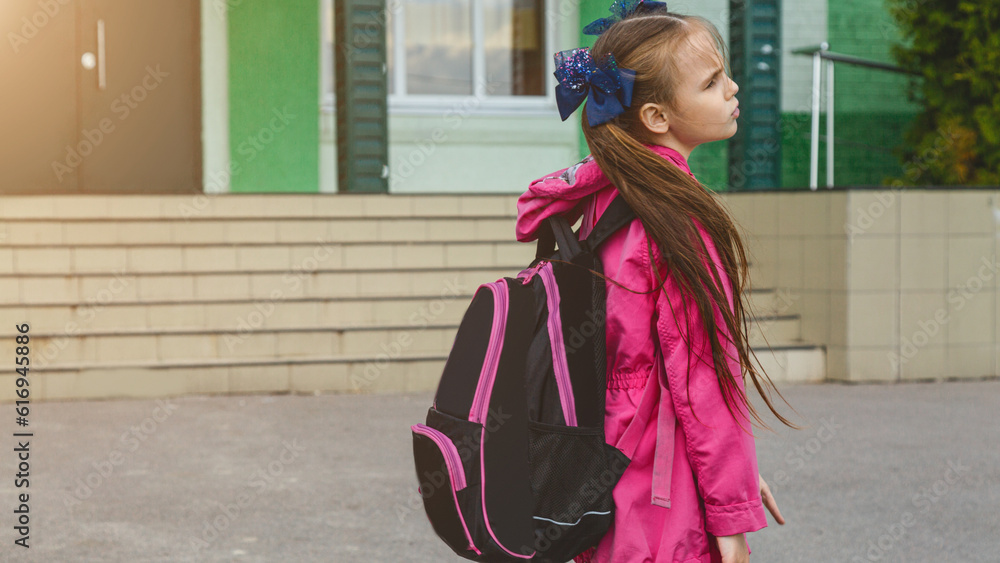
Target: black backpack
[512, 462]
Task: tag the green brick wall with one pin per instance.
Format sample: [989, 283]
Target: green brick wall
[795, 130]
[872, 111]
[709, 164]
[274, 95]
[590, 10]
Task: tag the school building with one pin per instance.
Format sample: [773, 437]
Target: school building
[187, 207]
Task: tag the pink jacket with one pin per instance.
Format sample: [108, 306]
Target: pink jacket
[689, 477]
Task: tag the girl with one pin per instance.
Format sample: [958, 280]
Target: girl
[676, 328]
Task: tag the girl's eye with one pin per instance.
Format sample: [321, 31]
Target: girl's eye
[710, 84]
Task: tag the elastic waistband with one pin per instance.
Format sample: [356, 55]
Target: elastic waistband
[629, 379]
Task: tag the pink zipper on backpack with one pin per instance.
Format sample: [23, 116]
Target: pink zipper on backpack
[479, 411]
[452, 460]
[481, 401]
[456, 471]
[526, 274]
[559, 364]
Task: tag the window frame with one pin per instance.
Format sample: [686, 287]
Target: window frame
[327, 98]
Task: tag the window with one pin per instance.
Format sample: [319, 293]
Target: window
[441, 51]
[493, 54]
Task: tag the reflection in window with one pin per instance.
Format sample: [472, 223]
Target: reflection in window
[438, 47]
[514, 42]
[467, 47]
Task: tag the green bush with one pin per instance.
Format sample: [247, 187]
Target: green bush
[954, 51]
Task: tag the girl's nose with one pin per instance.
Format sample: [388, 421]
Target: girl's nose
[735, 87]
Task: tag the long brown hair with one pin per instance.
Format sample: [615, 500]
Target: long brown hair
[668, 201]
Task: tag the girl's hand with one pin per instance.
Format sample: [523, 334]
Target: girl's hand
[769, 503]
[734, 549]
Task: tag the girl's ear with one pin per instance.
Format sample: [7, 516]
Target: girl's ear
[654, 117]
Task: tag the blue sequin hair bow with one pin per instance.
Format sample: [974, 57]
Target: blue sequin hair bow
[609, 88]
[621, 9]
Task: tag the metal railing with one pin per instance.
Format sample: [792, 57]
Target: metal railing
[819, 54]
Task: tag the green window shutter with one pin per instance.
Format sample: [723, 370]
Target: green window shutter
[755, 52]
[362, 95]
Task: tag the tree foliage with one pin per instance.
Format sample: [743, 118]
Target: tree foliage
[954, 50]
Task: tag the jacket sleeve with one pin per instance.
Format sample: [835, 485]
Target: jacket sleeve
[720, 448]
[559, 193]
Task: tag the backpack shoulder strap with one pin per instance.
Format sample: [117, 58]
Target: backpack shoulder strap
[556, 229]
[617, 215]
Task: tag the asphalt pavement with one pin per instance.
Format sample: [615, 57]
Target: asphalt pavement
[905, 472]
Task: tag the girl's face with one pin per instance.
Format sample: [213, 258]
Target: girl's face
[706, 104]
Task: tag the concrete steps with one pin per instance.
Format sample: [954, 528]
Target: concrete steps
[144, 296]
[211, 258]
[123, 314]
[126, 287]
[249, 230]
[123, 345]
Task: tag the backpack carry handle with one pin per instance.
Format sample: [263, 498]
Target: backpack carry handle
[546, 245]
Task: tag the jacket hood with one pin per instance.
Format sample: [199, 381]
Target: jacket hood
[563, 192]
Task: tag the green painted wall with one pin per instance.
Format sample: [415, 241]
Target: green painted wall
[273, 95]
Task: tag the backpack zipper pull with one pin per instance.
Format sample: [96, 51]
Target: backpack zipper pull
[530, 273]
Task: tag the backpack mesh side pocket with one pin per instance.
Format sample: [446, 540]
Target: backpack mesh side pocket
[573, 473]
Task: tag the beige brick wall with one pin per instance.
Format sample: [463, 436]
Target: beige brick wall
[898, 285]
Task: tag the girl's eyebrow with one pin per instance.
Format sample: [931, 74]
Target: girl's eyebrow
[715, 74]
